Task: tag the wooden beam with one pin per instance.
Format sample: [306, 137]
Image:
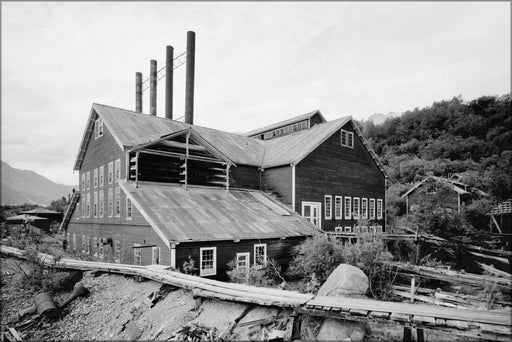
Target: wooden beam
[496, 223]
[137, 169]
[181, 156]
[182, 145]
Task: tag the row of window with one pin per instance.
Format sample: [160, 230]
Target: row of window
[347, 138]
[295, 127]
[98, 246]
[360, 229]
[354, 208]
[208, 259]
[113, 175]
[98, 204]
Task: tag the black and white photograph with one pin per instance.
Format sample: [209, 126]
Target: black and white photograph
[256, 171]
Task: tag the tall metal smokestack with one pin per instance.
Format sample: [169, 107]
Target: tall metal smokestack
[138, 92]
[169, 71]
[152, 88]
[189, 85]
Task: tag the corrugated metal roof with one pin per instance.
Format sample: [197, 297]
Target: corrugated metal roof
[285, 122]
[208, 214]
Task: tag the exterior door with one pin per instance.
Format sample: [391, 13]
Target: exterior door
[311, 211]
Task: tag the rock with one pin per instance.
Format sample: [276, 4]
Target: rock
[132, 332]
[345, 280]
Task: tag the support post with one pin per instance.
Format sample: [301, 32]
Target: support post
[186, 159]
[137, 169]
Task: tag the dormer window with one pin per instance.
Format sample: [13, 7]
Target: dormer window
[347, 139]
[98, 128]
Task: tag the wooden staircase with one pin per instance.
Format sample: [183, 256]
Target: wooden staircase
[69, 212]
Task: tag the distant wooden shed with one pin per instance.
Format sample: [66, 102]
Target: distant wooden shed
[501, 217]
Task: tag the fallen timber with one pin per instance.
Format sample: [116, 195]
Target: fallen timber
[492, 325]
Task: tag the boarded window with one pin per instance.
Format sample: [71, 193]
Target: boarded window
[208, 261]
[260, 254]
[328, 207]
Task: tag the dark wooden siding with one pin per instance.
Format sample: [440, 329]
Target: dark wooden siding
[128, 234]
[332, 169]
[279, 181]
[244, 177]
[282, 251]
[315, 119]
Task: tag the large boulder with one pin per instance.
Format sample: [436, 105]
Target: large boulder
[345, 281]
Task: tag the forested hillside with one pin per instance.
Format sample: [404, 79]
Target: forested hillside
[473, 139]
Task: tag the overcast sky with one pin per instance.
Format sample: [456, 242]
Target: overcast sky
[256, 63]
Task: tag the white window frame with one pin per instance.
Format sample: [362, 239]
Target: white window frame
[379, 209]
[101, 175]
[213, 270]
[348, 137]
[328, 207]
[117, 251]
[137, 255]
[338, 207]
[117, 170]
[95, 204]
[101, 203]
[257, 253]
[110, 201]
[372, 209]
[338, 229]
[364, 208]
[356, 208]
[95, 246]
[247, 257]
[117, 202]
[129, 208]
[88, 180]
[83, 181]
[83, 243]
[110, 175]
[95, 178]
[318, 205]
[347, 229]
[348, 207]
[88, 205]
[155, 255]
[98, 128]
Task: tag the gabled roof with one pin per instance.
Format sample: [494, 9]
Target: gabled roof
[209, 214]
[286, 122]
[502, 208]
[450, 183]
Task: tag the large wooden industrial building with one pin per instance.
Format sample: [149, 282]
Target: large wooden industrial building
[158, 191]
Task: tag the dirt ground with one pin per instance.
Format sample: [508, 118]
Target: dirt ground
[119, 308]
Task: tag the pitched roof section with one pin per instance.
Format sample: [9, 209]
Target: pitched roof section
[208, 214]
[450, 183]
[286, 122]
[502, 208]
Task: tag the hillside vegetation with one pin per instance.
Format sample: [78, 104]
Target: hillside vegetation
[472, 139]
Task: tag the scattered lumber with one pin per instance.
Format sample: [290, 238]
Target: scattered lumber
[495, 271]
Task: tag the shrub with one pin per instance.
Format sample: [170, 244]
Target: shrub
[189, 266]
[257, 275]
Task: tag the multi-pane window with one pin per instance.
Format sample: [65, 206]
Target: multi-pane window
[83, 243]
[260, 254]
[128, 209]
[372, 209]
[242, 261]
[110, 176]
[208, 261]
[95, 246]
[348, 208]
[117, 174]
[337, 208]
[102, 175]
[117, 251]
[83, 181]
[100, 248]
[87, 244]
[118, 202]
[98, 128]
[347, 138]
[88, 205]
[155, 255]
[356, 208]
[101, 203]
[328, 207]
[137, 255]
[95, 205]
[364, 208]
[110, 201]
[88, 180]
[379, 209]
[95, 178]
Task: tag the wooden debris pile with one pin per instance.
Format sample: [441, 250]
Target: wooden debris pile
[192, 332]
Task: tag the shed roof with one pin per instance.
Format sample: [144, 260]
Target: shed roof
[286, 122]
[39, 211]
[453, 185]
[211, 214]
[25, 218]
[502, 208]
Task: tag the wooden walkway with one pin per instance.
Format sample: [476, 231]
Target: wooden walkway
[492, 325]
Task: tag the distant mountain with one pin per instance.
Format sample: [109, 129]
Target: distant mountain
[379, 118]
[26, 186]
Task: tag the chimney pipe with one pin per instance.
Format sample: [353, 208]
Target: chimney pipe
[189, 85]
[169, 70]
[152, 88]
[138, 92]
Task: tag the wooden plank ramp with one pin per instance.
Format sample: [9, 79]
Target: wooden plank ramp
[495, 324]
